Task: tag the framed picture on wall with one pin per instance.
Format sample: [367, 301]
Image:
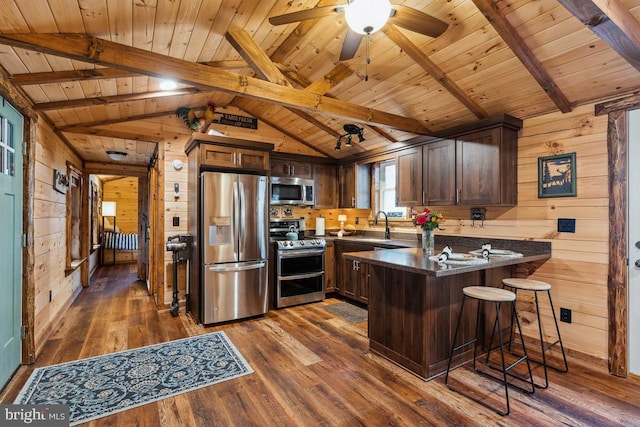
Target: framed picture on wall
[557, 176]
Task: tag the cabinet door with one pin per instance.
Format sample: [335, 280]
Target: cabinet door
[218, 155]
[280, 167]
[351, 273]
[478, 168]
[409, 177]
[325, 186]
[439, 173]
[354, 186]
[301, 170]
[252, 159]
[329, 268]
[347, 178]
[363, 282]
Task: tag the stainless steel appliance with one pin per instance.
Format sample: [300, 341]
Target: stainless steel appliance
[292, 191]
[233, 246]
[299, 264]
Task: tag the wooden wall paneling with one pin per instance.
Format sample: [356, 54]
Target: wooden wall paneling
[124, 191]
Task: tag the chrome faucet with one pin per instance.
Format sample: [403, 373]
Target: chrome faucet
[387, 233]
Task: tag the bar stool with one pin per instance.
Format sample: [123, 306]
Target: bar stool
[535, 286]
[496, 296]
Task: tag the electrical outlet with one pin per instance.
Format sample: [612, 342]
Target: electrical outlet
[176, 221]
[565, 315]
[566, 225]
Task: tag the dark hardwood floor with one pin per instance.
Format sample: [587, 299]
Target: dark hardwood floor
[311, 368]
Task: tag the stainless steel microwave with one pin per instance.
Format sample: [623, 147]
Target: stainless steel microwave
[292, 191]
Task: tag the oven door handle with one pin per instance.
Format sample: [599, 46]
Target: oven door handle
[301, 276]
[297, 252]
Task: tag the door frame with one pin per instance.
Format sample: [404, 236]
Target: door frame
[23, 106]
[618, 277]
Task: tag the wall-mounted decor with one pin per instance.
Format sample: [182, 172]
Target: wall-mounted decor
[557, 175]
[60, 181]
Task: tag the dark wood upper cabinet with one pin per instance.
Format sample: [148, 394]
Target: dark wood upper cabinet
[474, 168]
[353, 180]
[325, 186]
[409, 177]
[486, 167]
[282, 167]
[439, 173]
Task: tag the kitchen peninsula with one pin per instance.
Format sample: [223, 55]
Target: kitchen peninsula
[414, 302]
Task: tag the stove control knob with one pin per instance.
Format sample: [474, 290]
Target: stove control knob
[301, 242]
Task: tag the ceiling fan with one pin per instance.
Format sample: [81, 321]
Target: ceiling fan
[365, 17]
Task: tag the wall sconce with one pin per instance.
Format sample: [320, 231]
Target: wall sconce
[116, 155]
[351, 130]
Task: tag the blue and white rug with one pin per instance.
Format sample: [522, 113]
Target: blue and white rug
[103, 385]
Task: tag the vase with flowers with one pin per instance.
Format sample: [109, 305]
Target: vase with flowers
[428, 221]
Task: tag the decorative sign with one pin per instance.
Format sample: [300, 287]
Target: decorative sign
[60, 181]
[237, 121]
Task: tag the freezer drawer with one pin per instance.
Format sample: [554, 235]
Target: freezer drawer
[234, 291]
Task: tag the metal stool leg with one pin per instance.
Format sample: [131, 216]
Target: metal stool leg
[504, 368]
[559, 341]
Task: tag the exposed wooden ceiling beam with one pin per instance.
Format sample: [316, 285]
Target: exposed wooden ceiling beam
[96, 168]
[612, 22]
[257, 58]
[103, 100]
[245, 105]
[264, 68]
[432, 68]
[95, 50]
[70, 128]
[516, 43]
[114, 134]
[66, 76]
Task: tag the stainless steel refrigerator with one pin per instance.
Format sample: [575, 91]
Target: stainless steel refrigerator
[234, 243]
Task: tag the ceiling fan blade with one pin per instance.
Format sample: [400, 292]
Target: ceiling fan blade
[306, 14]
[418, 22]
[350, 45]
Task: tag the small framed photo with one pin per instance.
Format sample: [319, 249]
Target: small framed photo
[557, 176]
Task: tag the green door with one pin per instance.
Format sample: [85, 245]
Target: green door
[11, 125]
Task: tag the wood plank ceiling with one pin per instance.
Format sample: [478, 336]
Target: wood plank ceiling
[93, 68]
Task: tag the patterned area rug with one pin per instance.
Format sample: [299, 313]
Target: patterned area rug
[351, 312]
[103, 385]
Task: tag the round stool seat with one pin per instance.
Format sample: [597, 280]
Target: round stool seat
[487, 293]
[526, 284]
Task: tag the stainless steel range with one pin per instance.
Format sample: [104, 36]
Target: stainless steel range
[299, 263]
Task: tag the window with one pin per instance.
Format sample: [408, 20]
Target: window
[7, 148]
[385, 189]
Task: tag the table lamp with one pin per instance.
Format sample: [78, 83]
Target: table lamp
[342, 218]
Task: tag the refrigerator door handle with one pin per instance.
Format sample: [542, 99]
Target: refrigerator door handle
[255, 266]
[242, 209]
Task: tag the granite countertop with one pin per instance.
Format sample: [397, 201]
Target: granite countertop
[414, 260]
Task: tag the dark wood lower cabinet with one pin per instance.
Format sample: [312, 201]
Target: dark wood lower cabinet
[352, 277]
[412, 316]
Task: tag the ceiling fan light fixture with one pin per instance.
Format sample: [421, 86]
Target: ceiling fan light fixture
[116, 155]
[367, 16]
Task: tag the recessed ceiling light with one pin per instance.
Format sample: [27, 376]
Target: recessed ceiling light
[168, 85]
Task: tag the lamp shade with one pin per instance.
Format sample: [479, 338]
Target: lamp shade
[367, 16]
[108, 208]
[342, 218]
